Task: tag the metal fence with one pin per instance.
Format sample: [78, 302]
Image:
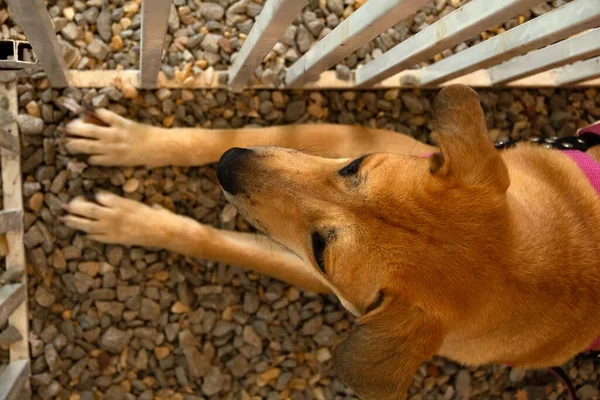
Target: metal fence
[509, 59]
[13, 288]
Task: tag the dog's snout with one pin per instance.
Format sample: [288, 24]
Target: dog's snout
[230, 167]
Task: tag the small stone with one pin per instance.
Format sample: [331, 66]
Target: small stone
[33, 109]
[312, 326]
[323, 355]
[336, 7]
[213, 382]
[162, 352]
[222, 328]
[343, 72]
[69, 13]
[70, 31]
[251, 303]
[295, 110]
[90, 268]
[44, 297]
[251, 337]
[412, 102]
[326, 336]
[253, 9]
[52, 358]
[90, 15]
[210, 43]
[29, 125]
[131, 7]
[304, 39]
[149, 310]
[82, 282]
[131, 185]
[238, 366]
[179, 308]
[198, 363]
[114, 340]
[213, 11]
[103, 23]
[588, 392]
[100, 101]
[173, 21]
[36, 201]
[115, 392]
[516, 375]
[98, 49]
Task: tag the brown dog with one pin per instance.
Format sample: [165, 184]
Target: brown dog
[473, 254]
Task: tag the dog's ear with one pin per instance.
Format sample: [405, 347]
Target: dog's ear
[466, 154]
[384, 350]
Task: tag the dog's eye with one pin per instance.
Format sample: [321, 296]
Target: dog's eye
[318, 245]
[353, 167]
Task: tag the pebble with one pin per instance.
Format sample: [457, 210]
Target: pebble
[213, 382]
[210, 42]
[103, 23]
[295, 110]
[150, 310]
[98, 49]
[213, 11]
[114, 340]
[29, 125]
[44, 297]
[131, 185]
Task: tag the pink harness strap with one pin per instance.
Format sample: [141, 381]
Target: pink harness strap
[591, 169]
[588, 165]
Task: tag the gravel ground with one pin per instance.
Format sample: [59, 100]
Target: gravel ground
[99, 34]
[133, 323]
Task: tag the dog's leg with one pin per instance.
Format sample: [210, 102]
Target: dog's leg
[113, 219]
[126, 143]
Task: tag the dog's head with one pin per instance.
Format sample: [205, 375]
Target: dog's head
[395, 236]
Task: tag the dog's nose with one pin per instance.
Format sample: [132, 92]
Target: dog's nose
[229, 168]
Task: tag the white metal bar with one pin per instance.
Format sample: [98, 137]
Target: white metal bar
[155, 16]
[272, 21]
[13, 199]
[328, 80]
[10, 220]
[32, 16]
[562, 22]
[578, 72]
[14, 381]
[456, 27]
[567, 51]
[11, 297]
[364, 25]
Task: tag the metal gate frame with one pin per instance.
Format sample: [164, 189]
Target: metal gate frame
[14, 380]
[510, 59]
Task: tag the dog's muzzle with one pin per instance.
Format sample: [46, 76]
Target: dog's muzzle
[230, 167]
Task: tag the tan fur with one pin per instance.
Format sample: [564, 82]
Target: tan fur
[481, 256]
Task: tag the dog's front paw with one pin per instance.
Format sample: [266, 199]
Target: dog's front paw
[114, 219]
[111, 140]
